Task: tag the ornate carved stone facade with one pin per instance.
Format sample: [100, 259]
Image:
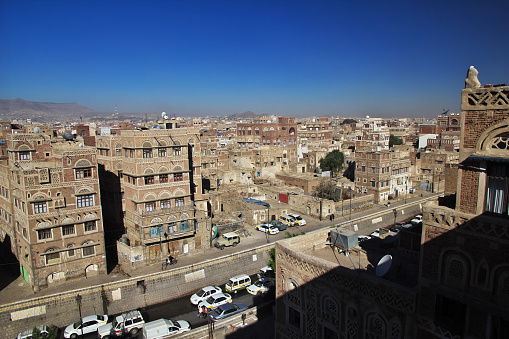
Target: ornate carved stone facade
[465, 252]
[163, 200]
[57, 216]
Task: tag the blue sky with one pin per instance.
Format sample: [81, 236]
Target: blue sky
[290, 58]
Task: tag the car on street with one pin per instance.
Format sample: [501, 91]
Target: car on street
[362, 238]
[417, 219]
[397, 227]
[260, 286]
[278, 224]
[375, 233]
[267, 228]
[227, 310]
[88, 324]
[266, 272]
[204, 293]
[28, 333]
[164, 328]
[298, 219]
[215, 300]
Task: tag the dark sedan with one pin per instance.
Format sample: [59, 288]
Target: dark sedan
[278, 224]
[227, 310]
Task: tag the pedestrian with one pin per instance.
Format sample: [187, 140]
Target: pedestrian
[202, 312]
[388, 204]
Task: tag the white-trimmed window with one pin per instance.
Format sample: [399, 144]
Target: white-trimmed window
[90, 226]
[150, 206]
[40, 207]
[52, 258]
[85, 200]
[44, 234]
[83, 173]
[24, 155]
[89, 250]
[68, 230]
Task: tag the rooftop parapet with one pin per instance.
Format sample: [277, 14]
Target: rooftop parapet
[475, 97]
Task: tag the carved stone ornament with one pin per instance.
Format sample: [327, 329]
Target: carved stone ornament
[471, 81]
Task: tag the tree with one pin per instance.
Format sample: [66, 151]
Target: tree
[394, 140]
[333, 162]
[348, 121]
[272, 259]
[326, 189]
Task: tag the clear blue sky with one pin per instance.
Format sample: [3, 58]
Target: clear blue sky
[294, 58]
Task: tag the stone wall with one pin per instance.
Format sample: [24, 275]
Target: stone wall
[112, 298]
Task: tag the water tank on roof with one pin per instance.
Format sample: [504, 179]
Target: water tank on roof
[343, 238]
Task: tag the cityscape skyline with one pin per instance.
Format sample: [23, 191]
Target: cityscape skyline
[286, 58]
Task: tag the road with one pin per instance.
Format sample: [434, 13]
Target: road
[182, 309]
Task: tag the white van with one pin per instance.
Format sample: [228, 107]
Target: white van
[298, 219]
[164, 328]
[238, 282]
[287, 220]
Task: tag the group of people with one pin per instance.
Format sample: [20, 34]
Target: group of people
[202, 312]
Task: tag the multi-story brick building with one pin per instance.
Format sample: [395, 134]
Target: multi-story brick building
[465, 273]
[373, 135]
[280, 135]
[57, 216]
[373, 173]
[161, 188]
[432, 168]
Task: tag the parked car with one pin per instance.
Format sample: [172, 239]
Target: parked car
[417, 219]
[237, 283]
[28, 333]
[266, 272]
[260, 286]
[267, 228]
[362, 238]
[164, 328]
[278, 224]
[215, 300]
[204, 293]
[375, 233]
[298, 219]
[397, 227]
[88, 324]
[287, 220]
[128, 323]
[227, 310]
[228, 239]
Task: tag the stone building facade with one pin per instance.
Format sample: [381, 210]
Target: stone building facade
[465, 251]
[56, 209]
[373, 173]
[163, 201]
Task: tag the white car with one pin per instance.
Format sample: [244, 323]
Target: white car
[362, 238]
[260, 286]
[215, 300]
[417, 219]
[204, 293]
[375, 233]
[88, 324]
[267, 228]
[28, 333]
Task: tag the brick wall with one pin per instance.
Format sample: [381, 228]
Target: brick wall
[117, 297]
[477, 122]
[468, 198]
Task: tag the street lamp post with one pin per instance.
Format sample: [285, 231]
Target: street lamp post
[78, 303]
[350, 218]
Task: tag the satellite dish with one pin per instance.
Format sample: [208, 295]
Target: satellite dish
[37, 129]
[163, 114]
[367, 116]
[384, 265]
[68, 136]
[80, 145]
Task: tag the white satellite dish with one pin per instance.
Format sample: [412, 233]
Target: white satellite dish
[163, 114]
[37, 130]
[384, 265]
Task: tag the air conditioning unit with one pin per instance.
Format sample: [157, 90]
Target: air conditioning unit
[343, 238]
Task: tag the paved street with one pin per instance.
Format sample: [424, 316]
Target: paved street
[18, 289]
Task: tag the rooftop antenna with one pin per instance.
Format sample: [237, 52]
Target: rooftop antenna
[383, 266]
[146, 118]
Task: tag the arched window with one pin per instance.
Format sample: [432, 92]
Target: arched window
[376, 327]
[455, 272]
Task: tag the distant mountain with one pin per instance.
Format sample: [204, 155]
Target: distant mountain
[42, 111]
[244, 115]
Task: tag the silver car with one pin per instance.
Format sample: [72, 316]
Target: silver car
[227, 310]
